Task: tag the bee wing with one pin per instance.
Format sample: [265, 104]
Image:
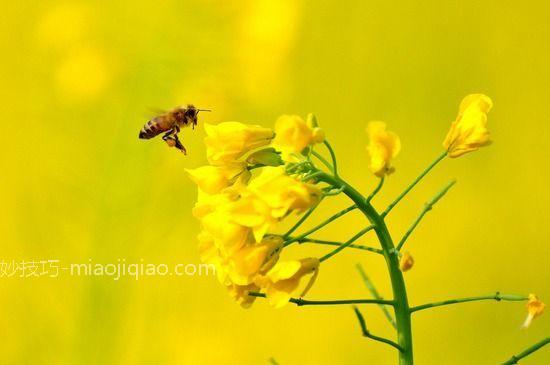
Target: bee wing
[154, 112]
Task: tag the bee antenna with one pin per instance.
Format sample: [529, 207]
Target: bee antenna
[204, 110]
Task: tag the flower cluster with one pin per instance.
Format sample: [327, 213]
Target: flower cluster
[244, 191]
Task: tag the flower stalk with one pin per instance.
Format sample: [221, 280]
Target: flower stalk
[366, 332]
[321, 225]
[515, 358]
[497, 297]
[370, 286]
[334, 243]
[413, 184]
[401, 306]
[427, 207]
[301, 302]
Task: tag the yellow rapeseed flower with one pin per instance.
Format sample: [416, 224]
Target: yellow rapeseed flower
[240, 294]
[228, 236]
[253, 259]
[293, 135]
[469, 131]
[212, 179]
[407, 261]
[383, 147]
[535, 308]
[285, 277]
[283, 193]
[228, 141]
[209, 254]
[252, 212]
[207, 203]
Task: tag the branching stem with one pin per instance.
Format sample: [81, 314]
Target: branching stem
[399, 290]
[376, 190]
[366, 332]
[303, 218]
[321, 225]
[497, 296]
[323, 160]
[334, 243]
[427, 207]
[413, 184]
[370, 286]
[514, 359]
[332, 156]
[301, 302]
[347, 243]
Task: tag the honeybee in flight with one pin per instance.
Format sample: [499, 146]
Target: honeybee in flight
[170, 124]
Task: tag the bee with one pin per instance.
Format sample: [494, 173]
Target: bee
[170, 124]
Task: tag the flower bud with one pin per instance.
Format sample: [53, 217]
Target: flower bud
[311, 121]
[406, 263]
[318, 135]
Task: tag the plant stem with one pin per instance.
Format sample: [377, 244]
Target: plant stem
[303, 218]
[321, 225]
[497, 296]
[323, 160]
[427, 207]
[334, 243]
[514, 359]
[367, 333]
[376, 190]
[370, 286]
[413, 184]
[301, 302]
[347, 243]
[332, 156]
[401, 306]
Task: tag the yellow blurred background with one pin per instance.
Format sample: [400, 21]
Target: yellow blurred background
[78, 80]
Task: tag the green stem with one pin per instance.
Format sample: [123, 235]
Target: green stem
[301, 302]
[497, 296]
[332, 156]
[401, 307]
[302, 219]
[367, 333]
[376, 190]
[370, 286]
[427, 207]
[321, 225]
[347, 243]
[323, 160]
[413, 184]
[334, 243]
[514, 359]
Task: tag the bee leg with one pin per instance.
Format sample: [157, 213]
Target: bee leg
[168, 137]
[172, 140]
[178, 145]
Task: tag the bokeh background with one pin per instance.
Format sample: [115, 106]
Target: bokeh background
[78, 80]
